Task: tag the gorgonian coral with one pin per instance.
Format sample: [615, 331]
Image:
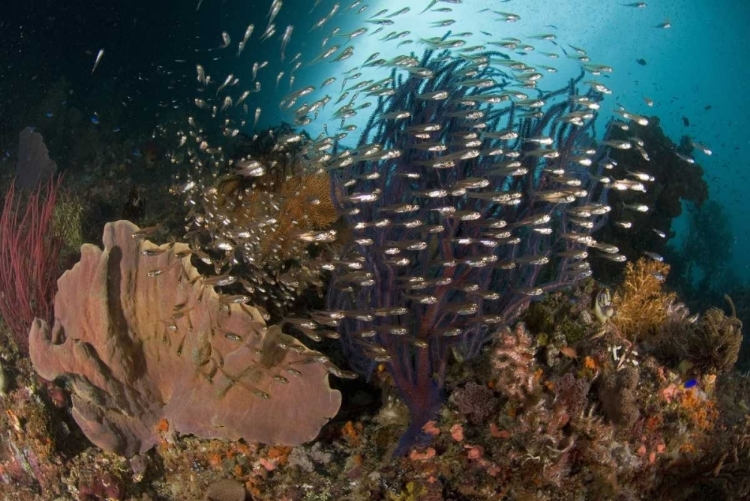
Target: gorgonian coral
[466, 199]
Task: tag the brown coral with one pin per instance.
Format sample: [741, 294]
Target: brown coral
[141, 337]
[226, 490]
[640, 303]
[711, 344]
[300, 204]
[277, 225]
[714, 343]
[476, 401]
[617, 393]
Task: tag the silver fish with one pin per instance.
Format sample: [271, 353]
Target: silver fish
[227, 81]
[345, 54]
[225, 40]
[98, 59]
[275, 8]
[285, 39]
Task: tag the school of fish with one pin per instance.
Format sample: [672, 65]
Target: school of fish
[472, 187]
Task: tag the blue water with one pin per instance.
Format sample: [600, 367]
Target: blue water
[694, 72]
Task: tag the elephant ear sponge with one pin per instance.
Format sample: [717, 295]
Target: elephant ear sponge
[144, 342]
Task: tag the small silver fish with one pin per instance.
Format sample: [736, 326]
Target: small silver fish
[242, 97]
[665, 25]
[654, 256]
[699, 146]
[275, 8]
[270, 31]
[248, 32]
[636, 207]
[399, 12]
[227, 81]
[98, 59]
[685, 158]
[227, 103]
[354, 34]
[285, 39]
[345, 54]
[225, 40]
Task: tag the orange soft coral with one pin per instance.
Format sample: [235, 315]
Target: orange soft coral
[640, 303]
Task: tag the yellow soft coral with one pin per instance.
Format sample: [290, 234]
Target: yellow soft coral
[640, 303]
[67, 220]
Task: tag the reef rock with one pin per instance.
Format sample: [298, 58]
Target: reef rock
[34, 164]
[149, 348]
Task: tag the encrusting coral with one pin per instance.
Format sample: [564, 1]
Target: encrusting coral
[617, 393]
[148, 346]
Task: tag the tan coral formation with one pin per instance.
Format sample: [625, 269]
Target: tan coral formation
[300, 204]
[640, 303]
[147, 345]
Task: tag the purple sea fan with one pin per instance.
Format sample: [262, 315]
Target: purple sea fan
[466, 200]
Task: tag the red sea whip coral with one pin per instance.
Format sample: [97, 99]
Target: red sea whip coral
[28, 258]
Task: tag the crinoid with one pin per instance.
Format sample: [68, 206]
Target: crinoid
[713, 345]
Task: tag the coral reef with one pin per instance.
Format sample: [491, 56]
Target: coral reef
[520, 424]
[466, 205]
[149, 349]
